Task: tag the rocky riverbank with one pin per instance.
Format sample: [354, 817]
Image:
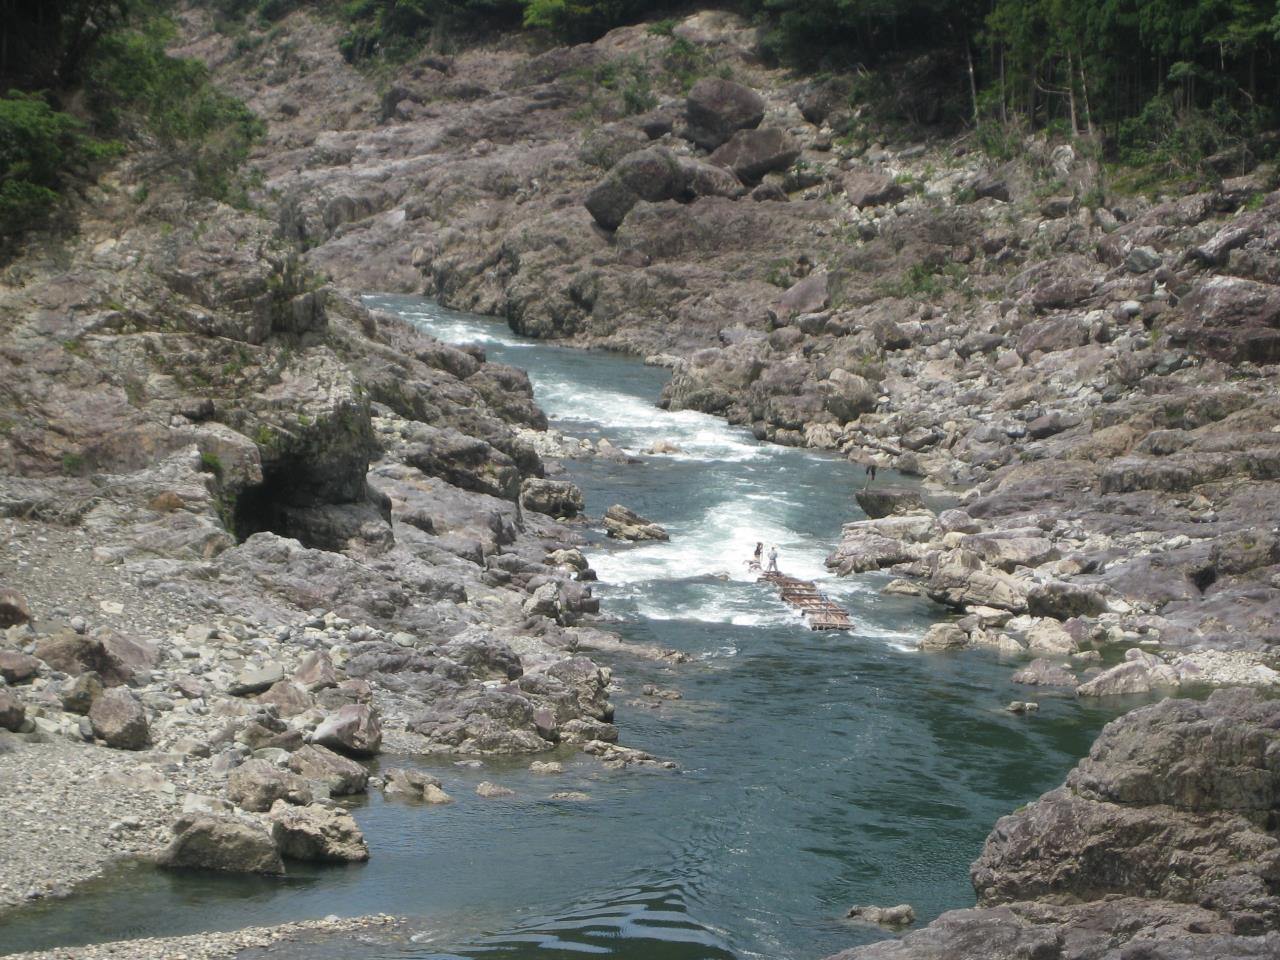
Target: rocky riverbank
[252, 533]
[1090, 375]
[1161, 844]
[255, 530]
[222, 946]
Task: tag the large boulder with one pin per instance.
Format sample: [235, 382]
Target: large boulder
[118, 719]
[414, 785]
[1049, 637]
[1172, 802]
[944, 636]
[654, 174]
[1141, 672]
[1159, 847]
[623, 523]
[863, 188]
[17, 667]
[341, 775]
[78, 694]
[703, 179]
[354, 730]
[1062, 600]
[717, 108]
[1045, 673]
[316, 672]
[556, 498]
[878, 502]
[256, 785]
[317, 834]
[960, 579]
[203, 841]
[750, 154]
[117, 659]
[1232, 319]
[807, 295]
[462, 460]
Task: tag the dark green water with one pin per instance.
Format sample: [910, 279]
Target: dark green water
[817, 770]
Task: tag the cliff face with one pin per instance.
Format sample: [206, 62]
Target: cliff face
[1162, 843]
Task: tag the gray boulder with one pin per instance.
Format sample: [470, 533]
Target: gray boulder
[317, 834]
[79, 693]
[119, 720]
[622, 523]
[14, 611]
[354, 730]
[341, 775]
[703, 179]
[12, 711]
[414, 785]
[1167, 805]
[877, 502]
[866, 189]
[750, 154]
[1062, 600]
[653, 174]
[256, 785]
[17, 667]
[1141, 672]
[717, 108]
[204, 841]
[1045, 673]
[556, 498]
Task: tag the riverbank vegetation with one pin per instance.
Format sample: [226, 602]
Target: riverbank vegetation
[87, 80]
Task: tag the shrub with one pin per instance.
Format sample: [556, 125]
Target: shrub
[38, 145]
[136, 86]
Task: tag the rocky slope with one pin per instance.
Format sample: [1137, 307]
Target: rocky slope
[1161, 844]
[1094, 384]
[253, 534]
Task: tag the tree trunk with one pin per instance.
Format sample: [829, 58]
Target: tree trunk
[973, 83]
[1084, 92]
[1071, 94]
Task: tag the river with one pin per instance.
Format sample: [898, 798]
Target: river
[817, 770]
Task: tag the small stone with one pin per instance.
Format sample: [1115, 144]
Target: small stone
[492, 790]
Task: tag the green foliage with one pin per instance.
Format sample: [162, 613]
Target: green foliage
[45, 44]
[581, 20]
[136, 87]
[37, 145]
[211, 463]
[396, 29]
[73, 464]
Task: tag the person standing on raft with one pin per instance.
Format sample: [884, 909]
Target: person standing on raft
[773, 560]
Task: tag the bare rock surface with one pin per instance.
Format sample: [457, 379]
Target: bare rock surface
[1160, 844]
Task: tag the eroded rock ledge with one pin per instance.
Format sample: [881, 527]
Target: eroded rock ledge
[1161, 845]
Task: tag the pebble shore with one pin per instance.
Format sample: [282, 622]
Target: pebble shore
[213, 946]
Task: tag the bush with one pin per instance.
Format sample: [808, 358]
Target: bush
[137, 87]
[37, 145]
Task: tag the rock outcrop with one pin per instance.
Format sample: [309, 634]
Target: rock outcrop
[1161, 843]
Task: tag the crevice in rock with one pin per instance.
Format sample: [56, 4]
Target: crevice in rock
[285, 504]
[261, 508]
[1204, 578]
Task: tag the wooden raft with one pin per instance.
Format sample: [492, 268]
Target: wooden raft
[819, 610]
